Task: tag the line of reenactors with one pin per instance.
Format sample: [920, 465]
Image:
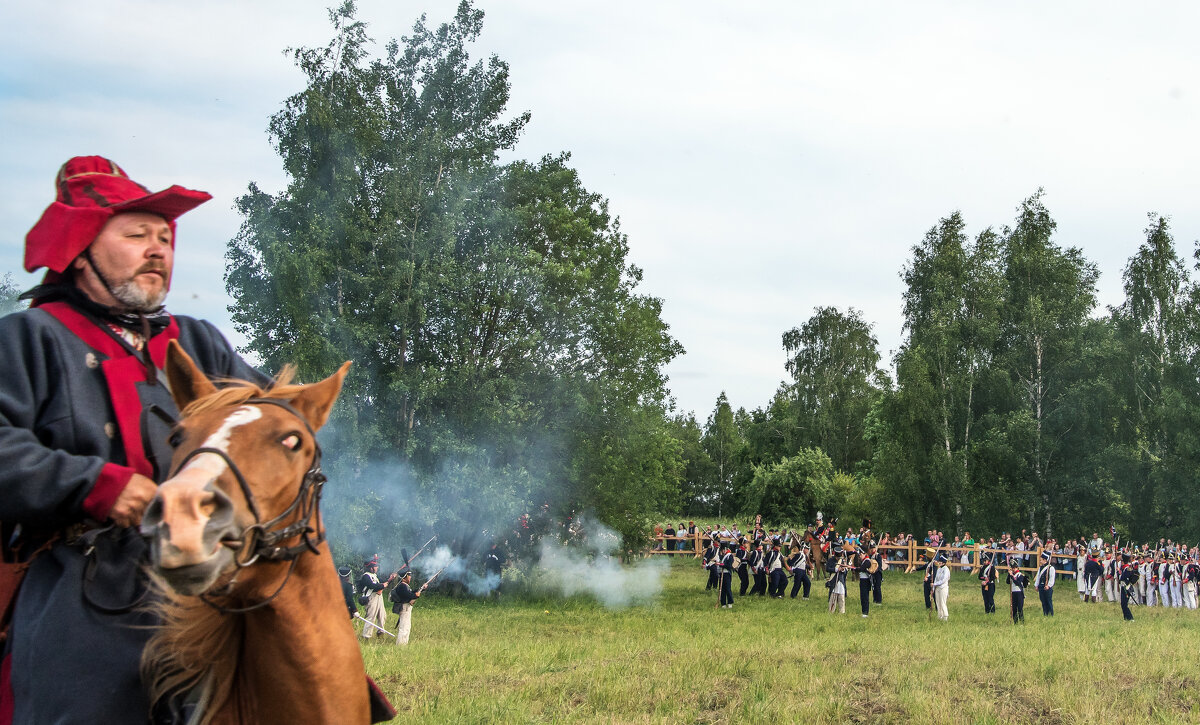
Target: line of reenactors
[761, 559]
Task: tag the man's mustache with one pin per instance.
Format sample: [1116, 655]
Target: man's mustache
[156, 267]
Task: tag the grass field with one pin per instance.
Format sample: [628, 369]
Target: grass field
[680, 660]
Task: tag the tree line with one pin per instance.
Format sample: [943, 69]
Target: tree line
[1015, 402]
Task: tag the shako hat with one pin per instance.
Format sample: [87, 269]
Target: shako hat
[343, 571]
[90, 190]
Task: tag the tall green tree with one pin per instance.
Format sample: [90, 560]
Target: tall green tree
[951, 306]
[490, 309]
[722, 440]
[1155, 382]
[834, 363]
[792, 489]
[1050, 292]
[382, 156]
[697, 497]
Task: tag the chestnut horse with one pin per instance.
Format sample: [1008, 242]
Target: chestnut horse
[815, 555]
[255, 627]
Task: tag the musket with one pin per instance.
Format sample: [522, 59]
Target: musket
[409, 559]
[430, 579]
[372, 624]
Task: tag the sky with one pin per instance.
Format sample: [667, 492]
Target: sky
[765, 158]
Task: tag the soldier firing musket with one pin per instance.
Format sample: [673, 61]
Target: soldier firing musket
[372, 596]
[403, 598]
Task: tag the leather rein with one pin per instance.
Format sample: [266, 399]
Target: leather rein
[263, 540]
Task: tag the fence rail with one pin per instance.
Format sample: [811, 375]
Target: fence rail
[905, 555]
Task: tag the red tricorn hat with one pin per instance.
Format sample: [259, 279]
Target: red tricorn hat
[90, 191]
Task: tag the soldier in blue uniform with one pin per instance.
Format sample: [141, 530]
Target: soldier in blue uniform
[403, 598]
[1017, 581]
[758, 569]
[776, 571]
[797, 562]
[740, 555]
[1044, 583]
[726, 575]
[987, 584]
[862, 567]
[1127, 582]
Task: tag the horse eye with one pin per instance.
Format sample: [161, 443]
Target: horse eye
[175, 439]
[291, 440]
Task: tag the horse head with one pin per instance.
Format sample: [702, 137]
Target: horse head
[245, 480]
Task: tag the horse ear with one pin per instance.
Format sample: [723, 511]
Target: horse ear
[316, 400]
[186, 381]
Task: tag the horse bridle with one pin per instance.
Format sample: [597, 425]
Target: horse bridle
[261, 540]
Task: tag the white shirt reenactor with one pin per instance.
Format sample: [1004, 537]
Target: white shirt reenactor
[372, 598]
[941, 587]
[1080, 578]
[1164, 583]
[1110, 577]
[1175, 583]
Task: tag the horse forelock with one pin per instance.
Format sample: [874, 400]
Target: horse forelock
[236, 392]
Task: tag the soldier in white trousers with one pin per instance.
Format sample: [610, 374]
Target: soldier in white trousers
[1110, 576]
[941, 587]
[1175, 571]
[403, 598]
[1163, 570]
[372, 597]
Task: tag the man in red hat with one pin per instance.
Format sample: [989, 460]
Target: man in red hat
[84, 421]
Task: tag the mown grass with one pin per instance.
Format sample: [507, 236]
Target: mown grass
[680, 660]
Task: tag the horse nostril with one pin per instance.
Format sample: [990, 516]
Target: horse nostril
[152, 517]
[219, 513]
[217, 506]
[208, 505]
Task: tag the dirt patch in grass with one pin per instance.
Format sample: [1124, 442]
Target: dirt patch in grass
[870, 702]
[1019, 706]
[717, 698]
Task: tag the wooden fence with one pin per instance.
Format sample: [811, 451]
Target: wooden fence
[906, 556]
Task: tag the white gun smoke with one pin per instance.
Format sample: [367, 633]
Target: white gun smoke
[588, 565]
[591, 568]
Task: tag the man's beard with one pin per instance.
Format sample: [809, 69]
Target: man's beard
[136, 299]
[128, 293]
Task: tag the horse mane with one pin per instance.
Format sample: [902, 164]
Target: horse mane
[236, 392]
[196, 648]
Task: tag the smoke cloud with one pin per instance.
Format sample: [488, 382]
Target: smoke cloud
[587, 565]
[385, 507]
[457, 569]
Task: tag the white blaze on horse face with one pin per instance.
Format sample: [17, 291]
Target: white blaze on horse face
[211, 463]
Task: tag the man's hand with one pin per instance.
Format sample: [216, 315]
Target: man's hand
[133, 500]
